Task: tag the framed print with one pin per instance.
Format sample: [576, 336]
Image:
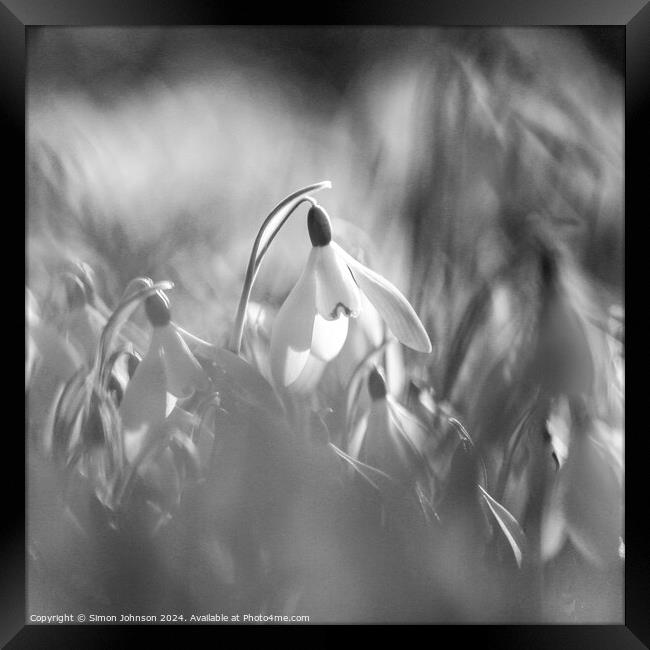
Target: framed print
[325, 323]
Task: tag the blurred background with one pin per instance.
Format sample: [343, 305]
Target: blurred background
[480, 170]
[159, 151]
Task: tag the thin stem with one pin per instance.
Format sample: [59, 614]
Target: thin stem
[251, 274]
[117, 319]
[276, 230]
[259, 250]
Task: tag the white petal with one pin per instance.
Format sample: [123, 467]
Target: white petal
[328, 337]
[184, 373]
[593, 503]
[145, 397]
[292, 329]
[554, 531]
[134, 440]
[558, 427]
[336, 291]
[408, 425]
[409, 438]
[393, 307]
[395, 368]
[309, 377]
[370, 323]
[357, 437]
[365, 333]
[383, 448]
[170, 403]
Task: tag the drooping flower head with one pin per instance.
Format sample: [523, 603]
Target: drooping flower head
[168, 371]
[585, 504]
[312, 325]
[390, 437]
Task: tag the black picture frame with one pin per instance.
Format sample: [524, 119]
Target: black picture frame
[633, 16]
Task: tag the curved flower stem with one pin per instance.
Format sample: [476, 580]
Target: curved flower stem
[117, 319]
[283, 210]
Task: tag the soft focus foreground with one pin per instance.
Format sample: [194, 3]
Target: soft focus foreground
[479, 171]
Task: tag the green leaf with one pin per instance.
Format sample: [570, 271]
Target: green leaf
[232, 375]
[509, 525]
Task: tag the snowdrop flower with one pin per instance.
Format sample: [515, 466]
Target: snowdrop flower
[390, 438]
[586, 502]
[312, 325]
[85, 273]
[168, 371]
[83, 323]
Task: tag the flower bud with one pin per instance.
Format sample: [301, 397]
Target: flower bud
[157, 308]
[376, 385]
[320, 228]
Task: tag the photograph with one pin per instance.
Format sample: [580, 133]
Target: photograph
[325, 325]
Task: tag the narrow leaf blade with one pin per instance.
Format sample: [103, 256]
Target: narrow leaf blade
[509, 525]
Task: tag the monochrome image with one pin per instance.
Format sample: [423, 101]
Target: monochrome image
[324, 325]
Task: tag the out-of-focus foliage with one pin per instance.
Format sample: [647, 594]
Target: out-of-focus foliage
[480, 171]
